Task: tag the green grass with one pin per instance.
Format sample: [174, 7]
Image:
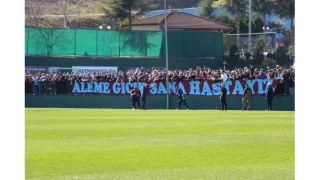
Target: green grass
[158, 144]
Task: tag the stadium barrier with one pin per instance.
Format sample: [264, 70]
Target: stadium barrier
[283, 103]
[124, 63]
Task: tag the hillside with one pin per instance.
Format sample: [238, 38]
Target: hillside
[78, 13]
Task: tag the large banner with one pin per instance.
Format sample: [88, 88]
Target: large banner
[234, 87]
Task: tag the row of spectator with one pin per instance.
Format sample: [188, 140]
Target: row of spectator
[61, 83]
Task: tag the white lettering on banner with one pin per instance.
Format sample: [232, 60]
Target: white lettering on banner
[260, 86]
[89, 87]
[135, 84]
[153, 90]
[123, 89]
[76, 88]
[172, 88]
[140, 86]
[182, 88]
[194, 86]
[250, 84]
[116, 90]
[82, 87]
[227, 85]
[237, 88]
[106, 89]
[129, 84]
[206, 89]
[162, 89]
[266, 81]
[216, 88]
[97, 87]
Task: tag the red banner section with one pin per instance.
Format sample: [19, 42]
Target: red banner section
[234, 87]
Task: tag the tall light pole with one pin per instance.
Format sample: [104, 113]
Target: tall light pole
[249, 39]
[166, 39]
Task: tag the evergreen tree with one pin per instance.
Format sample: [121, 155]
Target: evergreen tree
[237, 8]
[127, 9]
[286, 9]
[206, 9]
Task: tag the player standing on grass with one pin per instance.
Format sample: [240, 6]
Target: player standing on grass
[247, 95]
[135, 97]
[269, 97]
[223, 98]
[182, 99]
[144, 94]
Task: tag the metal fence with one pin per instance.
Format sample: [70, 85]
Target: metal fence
[271, 41]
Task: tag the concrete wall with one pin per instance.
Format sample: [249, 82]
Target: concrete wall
[285, 103]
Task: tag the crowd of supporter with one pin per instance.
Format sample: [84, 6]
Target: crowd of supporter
[61, 83]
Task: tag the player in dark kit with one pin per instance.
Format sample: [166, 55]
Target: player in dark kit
[223, 98]
[182, 99]
[247, 95]
[269, 97]
[144, 94]
[135, 97]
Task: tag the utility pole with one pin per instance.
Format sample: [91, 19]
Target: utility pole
[166, 38]
[249, 39]
[64, 14]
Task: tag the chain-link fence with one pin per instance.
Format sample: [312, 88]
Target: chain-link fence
[271, 41]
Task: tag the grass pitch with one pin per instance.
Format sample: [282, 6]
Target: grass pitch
[158, 144]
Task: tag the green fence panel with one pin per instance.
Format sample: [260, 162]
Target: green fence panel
[63, 41]
[39, 41]
[26, 39]
[144, 43]
[92, 42]
[208, 45]
[175, 44]
[86, 42]
[193, 44]
[217, 41]
[131, 43]
[154, 42]
[108, 43]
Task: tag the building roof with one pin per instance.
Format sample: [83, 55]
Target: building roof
[181, 20]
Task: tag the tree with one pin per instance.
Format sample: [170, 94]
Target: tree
[50, 13]
[277, 26]
[233, 56]
[257, 49]
[45, 37]
[35, 15]
[286, 9]
[280, 55]
[257, 24]
[206, 9]
[122, 9]
[77, 13]
[70, 7]
[237, 8]
[263, 8]
[175, 4]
